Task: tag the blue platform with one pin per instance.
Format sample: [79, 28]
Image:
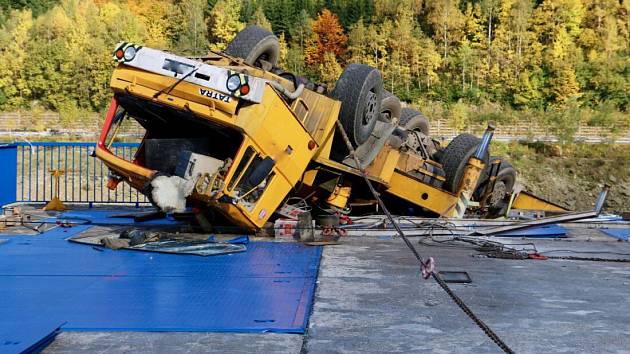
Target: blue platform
[621, 234]
[45, 278]
[548, 231]
[109, 217]
[28, 337]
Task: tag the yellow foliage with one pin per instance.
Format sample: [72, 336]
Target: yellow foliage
[223, 23]
[330, 70]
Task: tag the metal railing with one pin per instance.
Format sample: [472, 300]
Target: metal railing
[83, 178]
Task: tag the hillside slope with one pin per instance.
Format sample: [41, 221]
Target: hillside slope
[572, 176]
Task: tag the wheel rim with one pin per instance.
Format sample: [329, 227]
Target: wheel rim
[370, 110]
[500, 189]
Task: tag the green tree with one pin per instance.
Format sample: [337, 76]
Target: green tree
[223, 23]
[258, 18]
[190, 33]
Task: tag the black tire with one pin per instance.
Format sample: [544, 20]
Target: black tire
[360, 90]
[455, 157]
[411, 119]
[504, 184]
[253, 44]
[390, 107]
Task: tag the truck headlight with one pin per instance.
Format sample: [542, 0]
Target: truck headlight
[130, 53]
[233, 82]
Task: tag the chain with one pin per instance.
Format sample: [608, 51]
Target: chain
[462, 305]
[484, 327]
[519, 255]
[591, 259]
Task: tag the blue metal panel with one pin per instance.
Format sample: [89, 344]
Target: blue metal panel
[549, 231]
[8, 176]
[268, 288]
[621, 234]
[27, 336]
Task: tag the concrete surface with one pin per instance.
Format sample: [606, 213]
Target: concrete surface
[371, 299]
[157, 343]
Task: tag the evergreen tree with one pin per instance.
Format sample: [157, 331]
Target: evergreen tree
[190, 30]
[258, 18]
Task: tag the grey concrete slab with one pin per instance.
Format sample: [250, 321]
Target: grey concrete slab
[155, 343]
[370, 298]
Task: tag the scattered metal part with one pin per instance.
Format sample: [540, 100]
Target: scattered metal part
[114, 243]
[142, 216]
[198, 248]
[138, 237]
[548, 220]
[535, 223]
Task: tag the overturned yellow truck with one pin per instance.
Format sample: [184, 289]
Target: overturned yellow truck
[236, 137]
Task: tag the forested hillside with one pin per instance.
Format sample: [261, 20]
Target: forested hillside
[563, 61]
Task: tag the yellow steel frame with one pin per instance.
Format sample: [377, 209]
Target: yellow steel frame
[528, 201]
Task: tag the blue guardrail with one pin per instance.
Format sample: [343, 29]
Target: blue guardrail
[83, 179]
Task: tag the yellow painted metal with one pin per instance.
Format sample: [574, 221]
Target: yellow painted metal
[122, 166]
[528, 201]
[425, 195]
[384, 164]
[317, 113]
[309, 177]
[270, 127]
[466, 187]
[55, 203]
[339, 196]
[184, 96]
[334, 165]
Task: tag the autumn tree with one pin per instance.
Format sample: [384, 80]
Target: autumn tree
[327, 37]
[154, 17]
[544, 56]
[329, 70]
[223, 23]
[14, 90]
[447, 22]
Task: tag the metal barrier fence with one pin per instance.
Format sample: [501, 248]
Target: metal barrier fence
[83, 178]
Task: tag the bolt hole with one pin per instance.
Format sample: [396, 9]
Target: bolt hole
[425, 196]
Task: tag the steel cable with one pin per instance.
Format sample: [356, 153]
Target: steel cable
[460, 303]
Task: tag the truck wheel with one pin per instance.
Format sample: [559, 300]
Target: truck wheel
[253, 44]
[455, 157]
[411, 119]
[390, 107]
[360, 90]
[504, 184]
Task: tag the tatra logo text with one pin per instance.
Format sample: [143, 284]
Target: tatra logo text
[215, 95]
